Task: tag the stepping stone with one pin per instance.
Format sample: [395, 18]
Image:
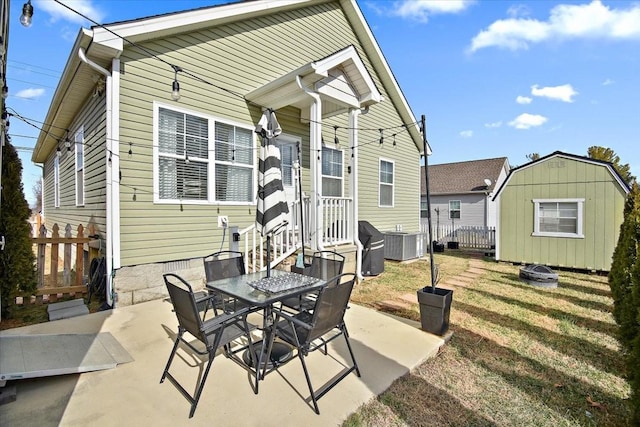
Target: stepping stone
[456, 282]
[66, 309]
[410, 298]
[475, 270]
[394, 305]
[466, 277]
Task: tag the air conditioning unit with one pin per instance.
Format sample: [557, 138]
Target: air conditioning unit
[404, 246]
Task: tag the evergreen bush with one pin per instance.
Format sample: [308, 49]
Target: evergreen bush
[17, 261]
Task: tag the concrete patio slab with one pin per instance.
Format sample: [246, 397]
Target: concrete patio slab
[386, 347]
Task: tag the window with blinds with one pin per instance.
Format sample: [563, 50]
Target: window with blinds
[558, 218]
[196, 153]
[331, 172]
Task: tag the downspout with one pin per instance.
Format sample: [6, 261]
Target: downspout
[111, 166]
[354, 114]
[316, 171]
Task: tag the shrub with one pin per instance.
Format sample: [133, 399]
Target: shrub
[17, 262]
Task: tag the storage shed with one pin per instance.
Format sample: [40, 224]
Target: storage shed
[561, 210]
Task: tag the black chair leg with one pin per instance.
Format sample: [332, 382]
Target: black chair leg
[306, 375]
[196, 397]
[346, 338]
[171, 356]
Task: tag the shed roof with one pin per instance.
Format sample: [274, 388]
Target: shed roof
[463, 177]
[602, 163]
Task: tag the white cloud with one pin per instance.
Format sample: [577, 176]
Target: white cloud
[421, 10]
[608, 82]
[466, 133]
[526, 121]
[30, 93]
[518, 10]
[563, 93]
[592, 20]
[493, 125]
[523, 100]
[58, 12]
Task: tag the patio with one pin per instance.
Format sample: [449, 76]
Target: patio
[386, 348]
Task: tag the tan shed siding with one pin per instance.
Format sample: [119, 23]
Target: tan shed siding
[240, 57]
[562, 178]
[92, 119]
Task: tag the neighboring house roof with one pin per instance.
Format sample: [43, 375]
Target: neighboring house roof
[464, 177]
[607, 165]
[101, 44]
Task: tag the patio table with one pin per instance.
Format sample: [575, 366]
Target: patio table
[259, 291]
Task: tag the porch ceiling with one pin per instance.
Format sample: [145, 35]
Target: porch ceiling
[341, 80]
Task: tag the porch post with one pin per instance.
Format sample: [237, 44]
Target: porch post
[354, 114]
[315, 166]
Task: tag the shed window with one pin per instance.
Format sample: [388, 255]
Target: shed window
[558, 217]
[454, 209]
[200, 159]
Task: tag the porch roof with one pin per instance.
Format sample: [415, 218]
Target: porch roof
[341, 79]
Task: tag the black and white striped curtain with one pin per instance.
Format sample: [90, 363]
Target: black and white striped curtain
[272, 210]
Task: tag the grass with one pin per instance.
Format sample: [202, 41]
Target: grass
[519, 355]
[29, 314]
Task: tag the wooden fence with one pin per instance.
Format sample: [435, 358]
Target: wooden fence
[467, 236]
[61, 263]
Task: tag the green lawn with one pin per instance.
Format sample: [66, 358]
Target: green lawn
[519, 355]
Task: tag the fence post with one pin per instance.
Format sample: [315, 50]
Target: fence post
[42, 250]
[67, 257]
[55, 235]
[79, 256]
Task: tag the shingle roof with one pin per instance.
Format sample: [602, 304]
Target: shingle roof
[463, 177]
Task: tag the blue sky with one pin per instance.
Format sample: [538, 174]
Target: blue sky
[493, 78]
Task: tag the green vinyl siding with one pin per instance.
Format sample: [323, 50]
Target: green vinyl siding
[559, 178]
[92, 119]
[229, 61]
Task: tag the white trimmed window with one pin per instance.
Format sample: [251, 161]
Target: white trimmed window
[331, 172]
[424, 211]
[454, 209]
[385, 185]
[56, 181]
[186, 171]
[79, 143]
[287, 158]
[558, 217]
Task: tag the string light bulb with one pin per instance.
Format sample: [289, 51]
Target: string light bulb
[5, 92]
[58, 151]
[335, 135]
[175, 93]
[27, 14]
[67, 144]
[2, 49]
[381, 136]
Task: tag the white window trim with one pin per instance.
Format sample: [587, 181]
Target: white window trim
[459, 209]
[536, 219]
[79, 134]
[393, 185]
[341, 177]
[211, 158]
[56, 181]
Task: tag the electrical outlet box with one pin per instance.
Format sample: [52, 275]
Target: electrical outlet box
[223, 221]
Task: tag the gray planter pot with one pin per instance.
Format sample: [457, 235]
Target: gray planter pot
[435, 305]
[306, 270]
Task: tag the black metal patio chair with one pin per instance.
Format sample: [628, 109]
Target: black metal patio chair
[324, 265]
[310, 331]
[222, 265]
[219, 331]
